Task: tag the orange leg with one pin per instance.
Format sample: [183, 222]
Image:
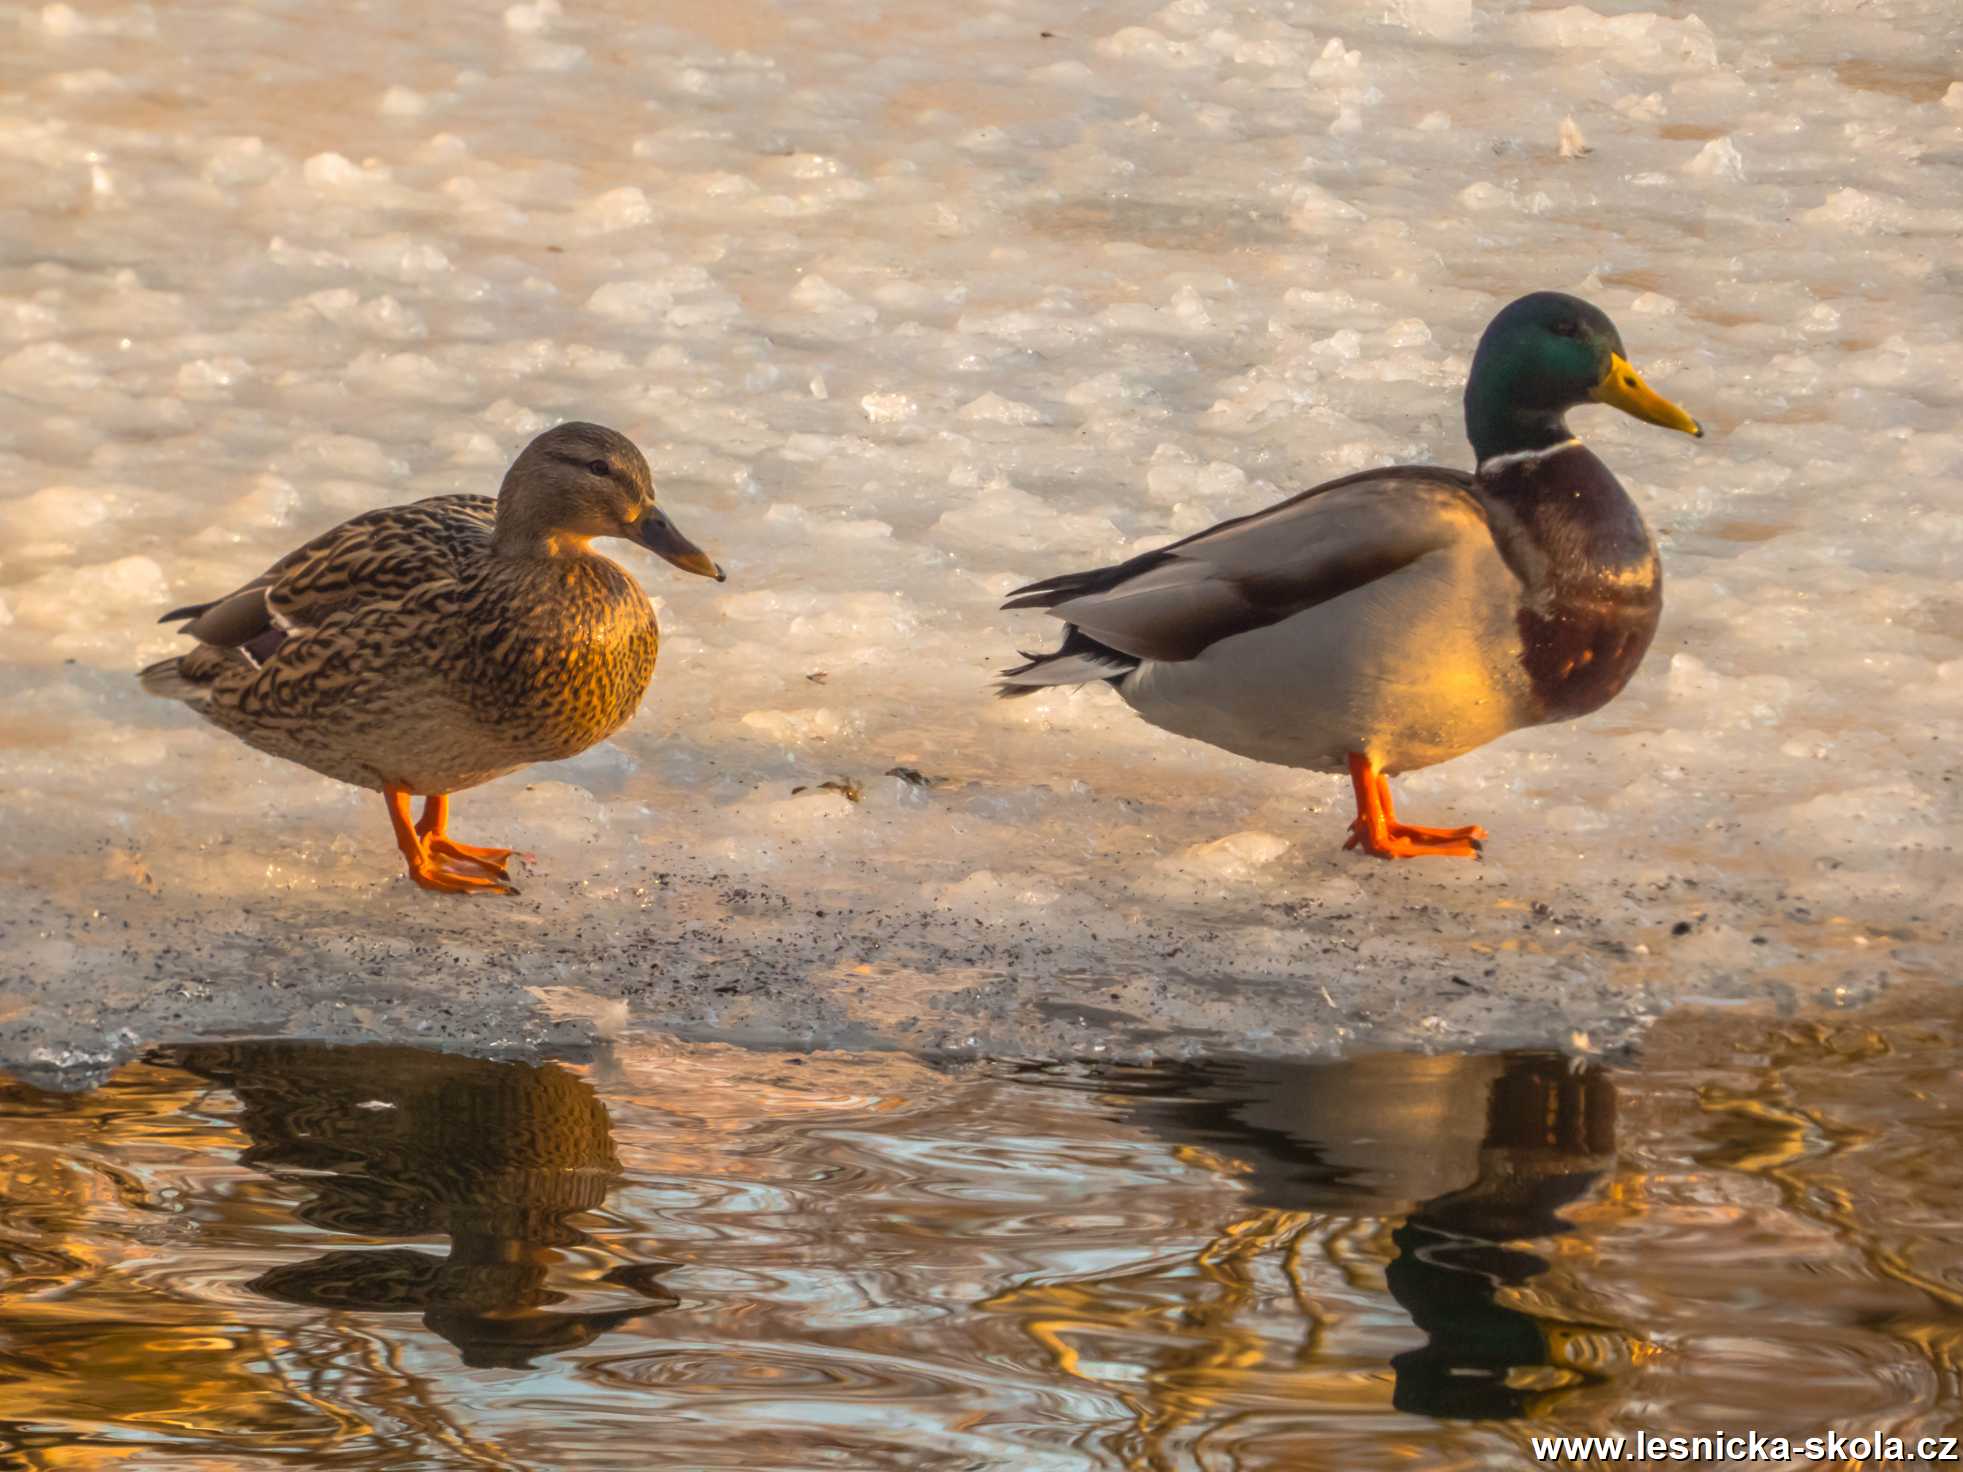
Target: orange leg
[434, 826]
[1471, 832]
[422, 868]
[1377, 831]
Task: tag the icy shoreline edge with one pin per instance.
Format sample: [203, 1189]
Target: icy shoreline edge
[703, 958]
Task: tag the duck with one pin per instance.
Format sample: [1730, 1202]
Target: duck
[1387, 621]
[423, 649]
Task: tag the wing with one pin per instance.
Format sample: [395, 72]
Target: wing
[1256, 570]
[378, 556]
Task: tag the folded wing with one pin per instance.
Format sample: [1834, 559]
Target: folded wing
[1174, 603]
[376, 557]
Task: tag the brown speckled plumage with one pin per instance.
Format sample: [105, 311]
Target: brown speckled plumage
[436, 665]
[431, 647]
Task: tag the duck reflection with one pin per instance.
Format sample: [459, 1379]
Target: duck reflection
[1550, 1135]
[1474, 1153]
[400, 1142]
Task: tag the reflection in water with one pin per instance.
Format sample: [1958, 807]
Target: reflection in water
[376, 1259]
[407, 1143]
[124, 1225]
[1472, 1152]
[397, 1142]
[1550, 1135]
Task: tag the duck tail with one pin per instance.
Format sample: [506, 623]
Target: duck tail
[1077, 661]
[169, 679]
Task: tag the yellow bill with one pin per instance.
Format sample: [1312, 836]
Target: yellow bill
[1622, 387]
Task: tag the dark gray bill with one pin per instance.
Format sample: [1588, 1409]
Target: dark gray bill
[659, 536]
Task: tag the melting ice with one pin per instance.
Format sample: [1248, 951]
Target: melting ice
[908, 304]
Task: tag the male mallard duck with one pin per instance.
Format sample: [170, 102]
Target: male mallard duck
[426, 648]
[1401, 617]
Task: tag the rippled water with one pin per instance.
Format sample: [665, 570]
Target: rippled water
[247, 1254]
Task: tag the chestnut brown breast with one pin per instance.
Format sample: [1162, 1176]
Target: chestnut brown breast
[1592, 585]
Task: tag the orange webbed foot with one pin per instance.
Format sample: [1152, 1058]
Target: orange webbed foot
[1472, 833]
[1378, 832]
[449, 881]
[424, 844]
[491, 860]
[433, 829]
[1395, 845]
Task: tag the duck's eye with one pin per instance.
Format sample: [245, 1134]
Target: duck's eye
[600, 468]
[1566, 328]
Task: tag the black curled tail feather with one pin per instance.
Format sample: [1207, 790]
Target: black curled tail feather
[1051, 591]
[1077, 661]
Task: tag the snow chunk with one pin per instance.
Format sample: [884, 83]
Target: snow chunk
[1484, 196]
[1178, 476]
[1858, 211]
[382, 316]
[400, 258]
[56, 510]
[992, 408]
[798, 727]
[97, 596]
[241, 160]
[1447, 20]
[412, 376]
[888, 408]
[401, 102]
[61, 20]
[617, 209]
[986, 892]
[1142, 43]
[1637, 39]
[331, 173]
[1315, 208]
[1718, 159]
[819, 295]
[532, 17]
[998, 514]
[1337, 63]
[649, 298]
[347, 454]
[49, 370]
[1237, 856]
[210, 378]
[64, 22]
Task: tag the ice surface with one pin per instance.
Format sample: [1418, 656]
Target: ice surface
[909, 303]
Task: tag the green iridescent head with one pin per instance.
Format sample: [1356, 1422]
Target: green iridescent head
[1542, 356]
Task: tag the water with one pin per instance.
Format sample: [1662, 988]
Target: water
[237, 1255]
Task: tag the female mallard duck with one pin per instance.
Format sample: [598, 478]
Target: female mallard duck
[1401, 617]
[426, 648]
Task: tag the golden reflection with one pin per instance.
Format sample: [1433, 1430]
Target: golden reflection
[398, 1142]
[1787, 1127]
[84, 1332]
[97, 1327]
[370, 1258]
[1425, 1172]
